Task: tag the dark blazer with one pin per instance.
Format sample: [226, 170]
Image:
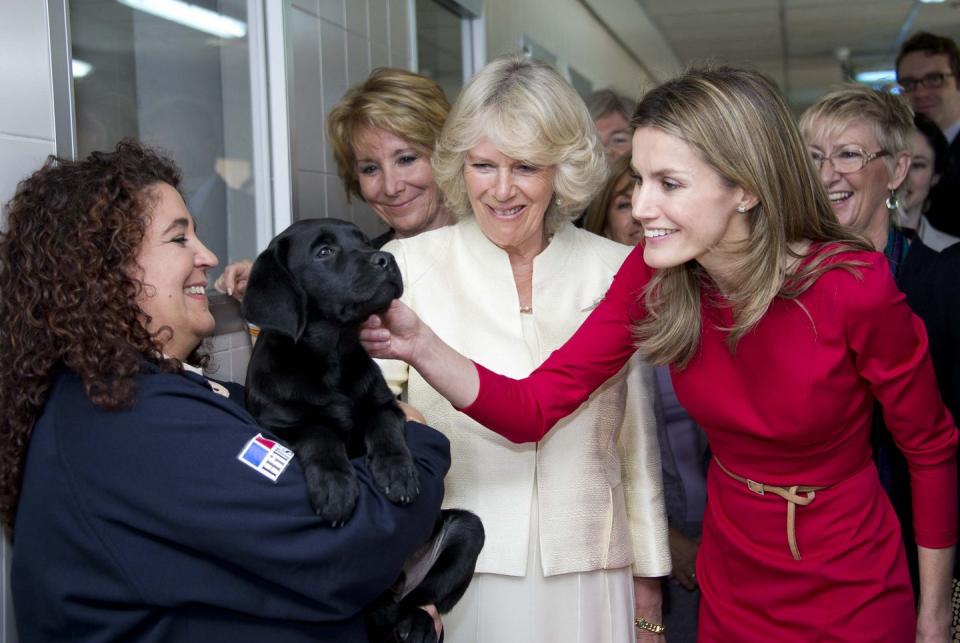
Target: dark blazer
[930, 280]
[944, 211]
[143, 524]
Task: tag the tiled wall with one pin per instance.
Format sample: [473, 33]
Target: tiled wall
[229, 348]
[27, 121]
[331, 45]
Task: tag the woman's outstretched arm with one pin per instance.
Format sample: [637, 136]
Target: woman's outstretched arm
[521, 410]
[401, 334]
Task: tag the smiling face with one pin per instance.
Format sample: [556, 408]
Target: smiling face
[397, 182]
[173, 264]
[858, 198]
[509, 197]
[614, 131]
[921, 176]
[688, 211]
[620, 224]
[941, 104]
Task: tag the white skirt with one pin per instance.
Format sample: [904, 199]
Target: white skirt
[585, 607]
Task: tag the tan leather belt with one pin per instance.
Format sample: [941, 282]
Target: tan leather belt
[790, 494]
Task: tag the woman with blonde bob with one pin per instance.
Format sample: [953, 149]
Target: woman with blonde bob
[575, 523]
[382, 132]
[782, 328]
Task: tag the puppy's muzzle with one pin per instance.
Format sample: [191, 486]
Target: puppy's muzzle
[382, 260]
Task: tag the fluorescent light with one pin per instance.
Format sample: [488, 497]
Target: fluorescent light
[878, 76]
[932, 1]
[80, 68]
[191, 15]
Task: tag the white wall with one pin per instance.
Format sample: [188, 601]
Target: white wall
[569, 30]
[26, 138]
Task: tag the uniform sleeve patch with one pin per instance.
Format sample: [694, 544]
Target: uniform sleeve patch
[265, 456]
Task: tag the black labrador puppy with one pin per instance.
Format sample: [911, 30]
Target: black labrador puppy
[311, 383]
[309, 379]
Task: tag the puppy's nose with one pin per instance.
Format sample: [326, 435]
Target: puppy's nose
[381, 259]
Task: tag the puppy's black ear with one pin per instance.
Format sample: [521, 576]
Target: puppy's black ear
[274, 300]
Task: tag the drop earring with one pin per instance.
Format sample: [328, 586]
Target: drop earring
[893, 201]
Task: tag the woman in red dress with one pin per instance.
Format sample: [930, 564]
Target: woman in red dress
[781, 328]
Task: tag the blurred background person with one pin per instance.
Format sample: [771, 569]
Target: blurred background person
[859, 140]
[928, 70]
[576, 533]
[609, 214]
[929, 156]
[611, 114]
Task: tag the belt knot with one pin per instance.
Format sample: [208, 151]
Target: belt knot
[791, 494]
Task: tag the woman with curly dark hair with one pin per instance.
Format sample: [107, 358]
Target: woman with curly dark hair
[148, 505]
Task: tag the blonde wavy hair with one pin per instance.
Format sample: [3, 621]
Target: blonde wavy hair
[405, 104]
[889, 117]
[739, 124]
[530, 113]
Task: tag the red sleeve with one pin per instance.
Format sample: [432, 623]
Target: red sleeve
[524, 410]
[890, 348]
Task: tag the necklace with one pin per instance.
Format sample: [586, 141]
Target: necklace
[526, 310]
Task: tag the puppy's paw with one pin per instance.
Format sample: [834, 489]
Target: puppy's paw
[333, 494]
[415, 627]
[395, 475]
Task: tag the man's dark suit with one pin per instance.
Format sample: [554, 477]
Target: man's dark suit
[944, 212]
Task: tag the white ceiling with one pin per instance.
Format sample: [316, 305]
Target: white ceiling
[794, 41]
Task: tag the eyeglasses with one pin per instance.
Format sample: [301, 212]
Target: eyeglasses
[846, 160]
[930, 81]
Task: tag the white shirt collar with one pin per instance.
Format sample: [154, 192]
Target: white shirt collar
[952, 131]
[192, 368]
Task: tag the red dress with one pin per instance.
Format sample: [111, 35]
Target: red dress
[792, 406]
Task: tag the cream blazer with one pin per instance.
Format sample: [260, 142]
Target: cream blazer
[597, 471]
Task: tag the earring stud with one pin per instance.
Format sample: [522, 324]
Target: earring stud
[741, 209]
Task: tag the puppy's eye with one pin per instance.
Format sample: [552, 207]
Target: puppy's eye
[326, 251]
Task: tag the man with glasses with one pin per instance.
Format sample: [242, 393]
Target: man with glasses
[612, 113]
[928, 71]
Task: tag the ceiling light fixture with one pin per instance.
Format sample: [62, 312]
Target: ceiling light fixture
[876, 77]
[191, 15]
[80, 68]
[932, 1]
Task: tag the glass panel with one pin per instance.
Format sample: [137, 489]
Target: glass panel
[182, 88]
[440, 46]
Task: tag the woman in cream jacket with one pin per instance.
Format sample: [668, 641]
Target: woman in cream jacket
[576, 530]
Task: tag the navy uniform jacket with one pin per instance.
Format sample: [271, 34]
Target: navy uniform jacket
[143, 525]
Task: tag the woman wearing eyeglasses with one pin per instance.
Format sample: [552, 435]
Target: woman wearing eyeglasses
[859, 138]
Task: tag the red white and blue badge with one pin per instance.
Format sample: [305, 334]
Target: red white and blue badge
[265, 456]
